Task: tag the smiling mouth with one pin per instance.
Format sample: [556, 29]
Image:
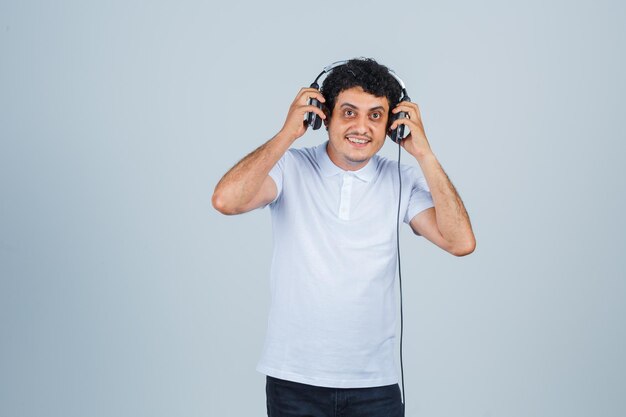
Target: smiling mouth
[357, 140]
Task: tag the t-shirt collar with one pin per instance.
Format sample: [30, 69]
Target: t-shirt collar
[328, 167]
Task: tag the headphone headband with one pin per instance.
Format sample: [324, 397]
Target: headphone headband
[398, 79]
[336, 64]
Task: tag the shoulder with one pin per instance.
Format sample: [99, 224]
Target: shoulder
[390, 166]
[303, 156]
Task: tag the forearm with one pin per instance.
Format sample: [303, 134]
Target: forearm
[246, 186]
[243, 181]
[452, 218]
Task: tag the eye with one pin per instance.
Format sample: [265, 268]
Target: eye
[348, 113]
[376, 116]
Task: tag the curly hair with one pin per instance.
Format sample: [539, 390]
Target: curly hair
[366, 73]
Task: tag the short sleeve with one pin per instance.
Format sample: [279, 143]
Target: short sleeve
[420, 198]
[276, 173]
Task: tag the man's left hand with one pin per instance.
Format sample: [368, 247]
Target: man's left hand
[415, 143]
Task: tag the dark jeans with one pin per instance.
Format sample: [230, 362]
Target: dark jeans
[292, 399]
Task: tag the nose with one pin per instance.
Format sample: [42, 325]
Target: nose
[360, 123]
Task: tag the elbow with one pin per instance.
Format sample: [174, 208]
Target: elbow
[464, 248]
[220, 204]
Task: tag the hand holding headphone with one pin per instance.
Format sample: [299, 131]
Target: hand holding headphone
[416, 142]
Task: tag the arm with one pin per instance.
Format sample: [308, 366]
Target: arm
[247, 185]
[447, 224]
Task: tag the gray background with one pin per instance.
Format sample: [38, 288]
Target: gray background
[123, 293]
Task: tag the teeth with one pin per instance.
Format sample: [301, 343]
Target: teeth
[355, 140]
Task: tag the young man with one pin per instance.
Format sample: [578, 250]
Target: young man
[331, 331]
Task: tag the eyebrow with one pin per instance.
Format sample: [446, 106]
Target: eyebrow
[356, 108]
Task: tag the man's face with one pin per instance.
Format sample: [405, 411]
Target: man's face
[357, 128]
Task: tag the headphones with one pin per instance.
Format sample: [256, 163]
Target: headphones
[313, 120]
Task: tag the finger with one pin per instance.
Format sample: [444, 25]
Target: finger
[305, 90]
[410, 113]
[408, 107]
[406, 139]
[310, 108]
[308, 93]
[403, 121]
[407, 103]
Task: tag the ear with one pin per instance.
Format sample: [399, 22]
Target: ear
[327, 113]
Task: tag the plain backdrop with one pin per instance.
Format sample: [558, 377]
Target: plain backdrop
[124, 293]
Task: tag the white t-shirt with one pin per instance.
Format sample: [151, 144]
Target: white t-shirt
[332, 317]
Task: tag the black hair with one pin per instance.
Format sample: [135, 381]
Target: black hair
[366, 73]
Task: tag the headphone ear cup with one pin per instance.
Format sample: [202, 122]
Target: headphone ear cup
[397, 134]
[313, 119]
[317, 123]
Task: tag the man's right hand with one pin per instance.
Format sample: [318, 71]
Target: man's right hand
[247, 185]
[295, 125]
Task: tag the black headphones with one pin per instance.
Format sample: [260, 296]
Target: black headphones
[313, 120]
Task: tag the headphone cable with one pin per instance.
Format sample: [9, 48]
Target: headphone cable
[400, 276]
